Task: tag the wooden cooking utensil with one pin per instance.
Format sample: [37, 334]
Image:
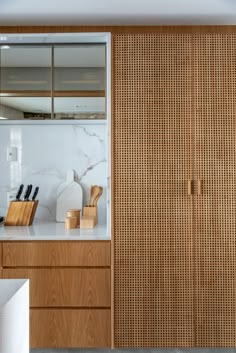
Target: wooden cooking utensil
[98, 196]
[91, 196]
[95, 193]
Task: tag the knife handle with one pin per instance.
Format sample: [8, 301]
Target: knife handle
[19, 192]
[35, 193]
[26, 192]
[29, 191]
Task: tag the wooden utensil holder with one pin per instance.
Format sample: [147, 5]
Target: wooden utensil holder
[21, 213]
[91, 211]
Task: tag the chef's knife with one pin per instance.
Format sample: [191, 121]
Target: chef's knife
[27, 192]
[35, 193]
[19, 192]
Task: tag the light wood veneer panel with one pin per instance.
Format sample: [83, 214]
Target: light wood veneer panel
[215, 208]
[66, 287]
[121, 29]
[70, 328]
[152, 211]
[51, 253]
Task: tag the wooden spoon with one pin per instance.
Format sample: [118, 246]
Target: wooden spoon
[95, 201]
[91, 195]
[95, 193]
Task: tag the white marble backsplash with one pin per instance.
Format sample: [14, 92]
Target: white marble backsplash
[45, 153]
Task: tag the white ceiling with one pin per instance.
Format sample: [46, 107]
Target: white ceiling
[122, 12]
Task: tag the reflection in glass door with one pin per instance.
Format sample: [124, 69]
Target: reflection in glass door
[25, 85]
[53, 81]
[79, 80]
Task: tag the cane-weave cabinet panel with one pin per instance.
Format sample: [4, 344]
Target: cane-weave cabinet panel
[151, 129]
[214, 205]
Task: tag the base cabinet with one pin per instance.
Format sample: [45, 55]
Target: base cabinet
[70, 290]
[66, 287]
[56, 328]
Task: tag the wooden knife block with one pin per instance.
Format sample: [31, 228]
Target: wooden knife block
[21, 213]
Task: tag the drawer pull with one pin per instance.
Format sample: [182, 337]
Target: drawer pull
[190, 187]
[199, 187]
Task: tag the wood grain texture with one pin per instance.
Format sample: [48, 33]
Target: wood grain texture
[21, 213]
[160, 232]
[87, 222]
[120, 29]
[42, 253]
[70, 328]
[66, 287]
[215, 207]
[25, 93]
[152, 211]
[80, 93]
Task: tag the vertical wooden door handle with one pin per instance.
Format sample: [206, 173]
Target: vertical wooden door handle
[199, 187]
[190, 187]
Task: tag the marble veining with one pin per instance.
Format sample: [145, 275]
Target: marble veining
[45, 153]
[89, 133]
[91, 168]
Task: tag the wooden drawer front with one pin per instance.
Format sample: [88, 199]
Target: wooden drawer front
[82, 253]
[54, 328]
[69, 287]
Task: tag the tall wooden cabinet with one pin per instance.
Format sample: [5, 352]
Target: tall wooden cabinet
[214, 213]
[174, 189]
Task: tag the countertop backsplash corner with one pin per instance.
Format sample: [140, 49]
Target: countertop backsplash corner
[45, 153]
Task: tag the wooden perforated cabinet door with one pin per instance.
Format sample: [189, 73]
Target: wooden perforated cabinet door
[214, 202]
[151, 208]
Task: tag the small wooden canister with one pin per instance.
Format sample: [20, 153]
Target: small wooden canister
[71, 222]
[74, 213]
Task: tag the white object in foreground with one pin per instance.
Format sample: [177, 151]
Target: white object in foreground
[14, 316]
[69, 196]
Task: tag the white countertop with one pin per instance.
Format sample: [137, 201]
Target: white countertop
[52, 231]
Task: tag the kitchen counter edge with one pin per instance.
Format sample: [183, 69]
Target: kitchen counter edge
[52, 231]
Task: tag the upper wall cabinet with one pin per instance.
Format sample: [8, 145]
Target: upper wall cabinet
[79, 80]
[25, 70]
[53, 80]
[80, 69]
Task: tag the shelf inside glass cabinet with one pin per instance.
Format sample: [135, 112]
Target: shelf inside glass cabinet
[53, 82]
